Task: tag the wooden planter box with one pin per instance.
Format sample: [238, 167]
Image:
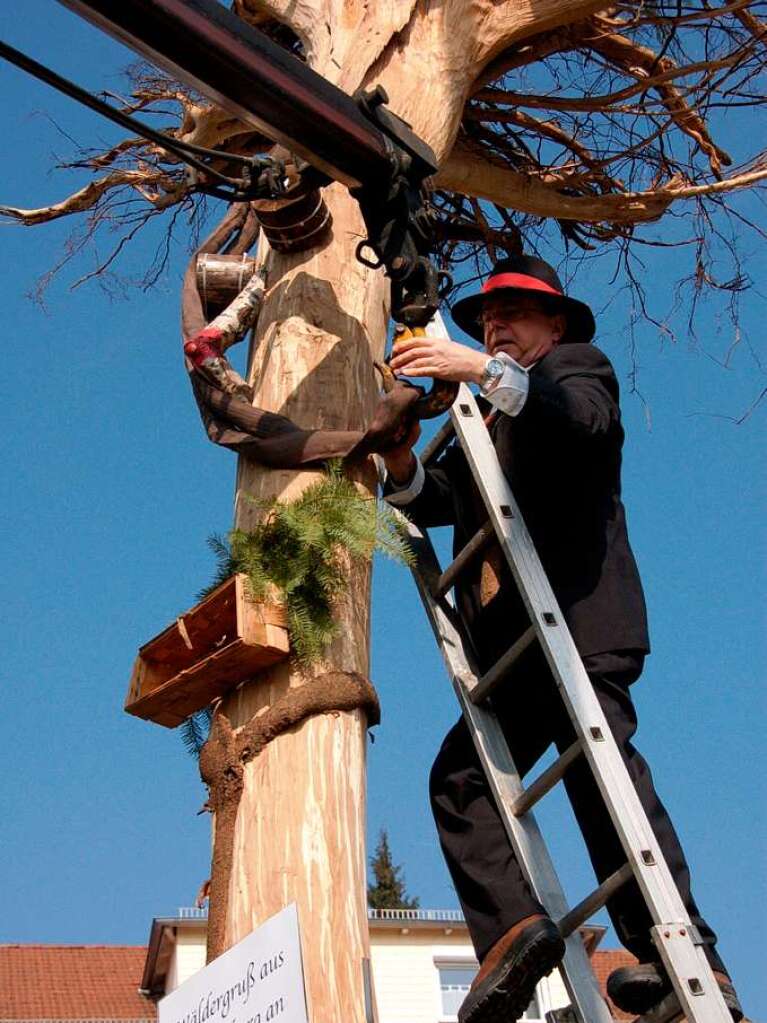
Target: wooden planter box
[221, 641]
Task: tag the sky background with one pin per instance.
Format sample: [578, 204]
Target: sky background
[110, 490]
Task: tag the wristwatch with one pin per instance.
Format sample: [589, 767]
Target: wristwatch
[494, 369]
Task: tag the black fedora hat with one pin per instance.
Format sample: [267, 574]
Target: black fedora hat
[531, 276]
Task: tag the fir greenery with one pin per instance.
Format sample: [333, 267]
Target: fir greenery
[195, 731]
[388, 889]
[301, 549]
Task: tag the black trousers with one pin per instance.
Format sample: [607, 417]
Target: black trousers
[490, 885]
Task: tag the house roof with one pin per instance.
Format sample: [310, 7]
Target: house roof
[73, 982]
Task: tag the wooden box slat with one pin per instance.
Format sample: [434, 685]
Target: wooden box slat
[220, 642]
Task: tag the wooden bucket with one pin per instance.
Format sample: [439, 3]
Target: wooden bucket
[295, 223]
[220, 279]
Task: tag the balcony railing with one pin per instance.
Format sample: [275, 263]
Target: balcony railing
[193, 913]
[400, 915]
[434, 915]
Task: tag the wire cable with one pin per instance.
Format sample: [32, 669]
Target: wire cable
[185, 151]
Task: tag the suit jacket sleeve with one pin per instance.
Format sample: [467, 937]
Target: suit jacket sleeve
[574, 392]
[434, 506]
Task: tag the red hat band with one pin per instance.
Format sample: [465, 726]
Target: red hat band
[524, 281]
[525, 275]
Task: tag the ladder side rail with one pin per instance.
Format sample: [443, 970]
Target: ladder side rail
[673, 932]
[505, 783]
[438, 442]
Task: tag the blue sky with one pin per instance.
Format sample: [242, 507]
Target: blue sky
[110, 490]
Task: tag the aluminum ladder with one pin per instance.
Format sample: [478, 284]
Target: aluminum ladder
[695, 994]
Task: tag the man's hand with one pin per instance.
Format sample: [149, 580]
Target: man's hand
[438, 357]
[391, 422]
[400, 461]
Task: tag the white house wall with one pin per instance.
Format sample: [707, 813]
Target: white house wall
[552, 993]
[188, 956]
[405, 976]
[404, 966]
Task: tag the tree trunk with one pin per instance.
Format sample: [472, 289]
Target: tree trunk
[299, 833]
[300, 829]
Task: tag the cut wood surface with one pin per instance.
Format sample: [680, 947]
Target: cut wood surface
[300, 827]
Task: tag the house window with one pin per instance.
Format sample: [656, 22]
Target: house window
[454, 983]
[533, 1011]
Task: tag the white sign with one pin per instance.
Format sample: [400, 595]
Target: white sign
[258, 980]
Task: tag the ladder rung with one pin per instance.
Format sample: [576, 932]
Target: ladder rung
[477, 543]
[438, 443]
[593, 903]
[490, 680]
[546, 780]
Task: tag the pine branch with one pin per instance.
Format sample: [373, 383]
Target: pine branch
[195, 731]
[224, 565]
[301, 549]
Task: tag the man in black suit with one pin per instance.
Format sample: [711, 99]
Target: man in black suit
[555, 422]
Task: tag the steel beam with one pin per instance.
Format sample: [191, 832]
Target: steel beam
[204, 45]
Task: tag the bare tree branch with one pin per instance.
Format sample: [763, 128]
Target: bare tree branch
[589, 104]
[470, 173]
[157, 189]
[629, 91]
[642, 61]
[757, 28]
[466, 172]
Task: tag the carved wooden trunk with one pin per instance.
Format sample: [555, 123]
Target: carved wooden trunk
[225, 639]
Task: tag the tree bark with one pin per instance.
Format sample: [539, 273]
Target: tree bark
[300, 826]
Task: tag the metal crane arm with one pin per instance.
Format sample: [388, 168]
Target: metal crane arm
[354, 140]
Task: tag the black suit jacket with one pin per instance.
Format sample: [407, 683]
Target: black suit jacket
[562, 457]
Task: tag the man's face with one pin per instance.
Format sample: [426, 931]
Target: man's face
[520, 326]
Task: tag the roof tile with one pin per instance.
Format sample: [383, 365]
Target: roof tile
[73, 982]
[603, 962]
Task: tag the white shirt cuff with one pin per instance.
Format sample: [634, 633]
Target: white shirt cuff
[509, 393]
[402, 494]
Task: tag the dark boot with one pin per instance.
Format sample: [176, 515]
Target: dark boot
[505, 984]
[638, 989]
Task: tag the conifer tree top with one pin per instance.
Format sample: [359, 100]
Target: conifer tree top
[388, 889]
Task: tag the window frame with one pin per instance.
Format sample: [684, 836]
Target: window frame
[462, 962]
[457, 962]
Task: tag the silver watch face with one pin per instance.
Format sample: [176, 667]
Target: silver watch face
[493, 369]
